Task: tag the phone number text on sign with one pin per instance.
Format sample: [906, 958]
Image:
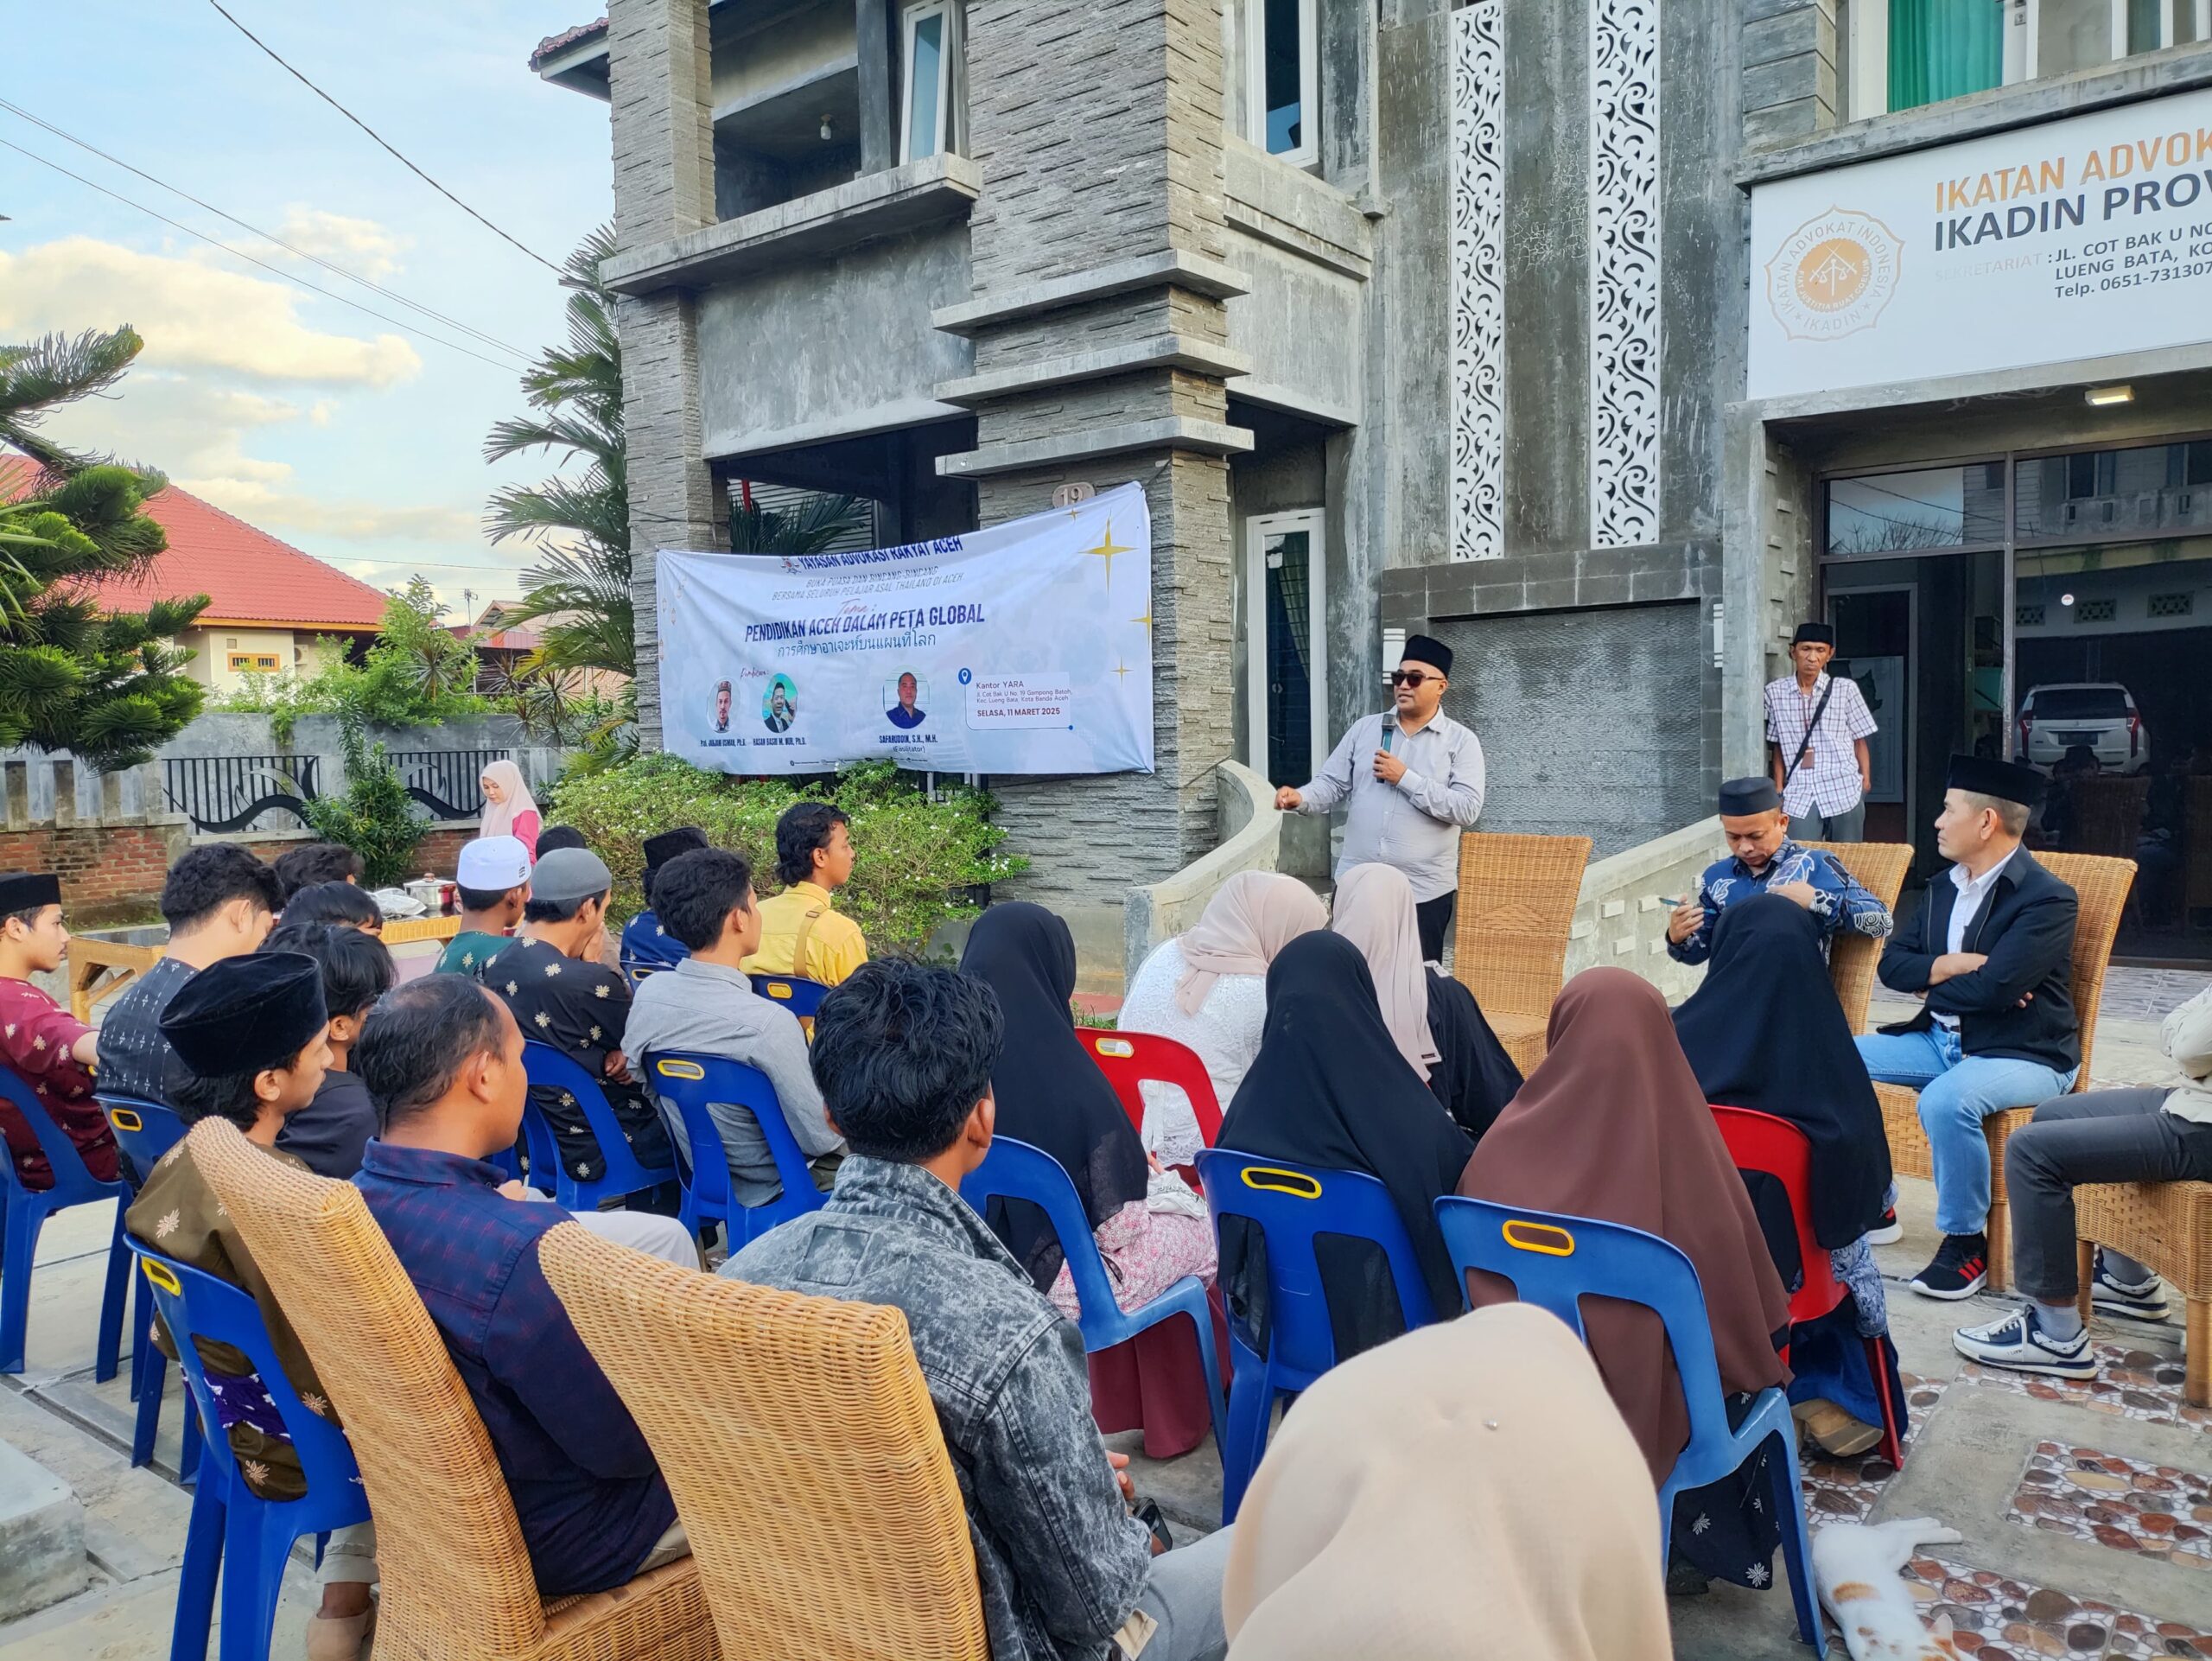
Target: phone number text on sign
[1003, 701]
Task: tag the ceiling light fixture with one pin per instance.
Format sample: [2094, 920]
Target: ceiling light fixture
[2102, 396]
[826, 136]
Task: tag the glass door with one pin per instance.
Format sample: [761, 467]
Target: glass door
[1286, 677]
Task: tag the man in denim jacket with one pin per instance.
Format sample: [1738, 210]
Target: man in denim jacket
[904, 1056]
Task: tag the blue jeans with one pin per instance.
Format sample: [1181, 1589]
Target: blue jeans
[1957, 1093]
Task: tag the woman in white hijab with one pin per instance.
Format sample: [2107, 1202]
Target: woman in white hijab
[1207, 990]
[1466, 1490]
[1434, 1021]
[509, 808]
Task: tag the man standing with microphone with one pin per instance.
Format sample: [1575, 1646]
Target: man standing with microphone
[1415, 780]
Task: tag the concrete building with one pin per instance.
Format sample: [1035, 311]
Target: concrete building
[1420, 316]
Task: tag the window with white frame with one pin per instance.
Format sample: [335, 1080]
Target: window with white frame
[1273, 58]
[930, 90]
[1907, 53]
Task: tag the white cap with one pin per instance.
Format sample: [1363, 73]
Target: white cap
[492, 864]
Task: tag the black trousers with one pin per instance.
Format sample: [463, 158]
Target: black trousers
[2100, 1135]
[1433, 918]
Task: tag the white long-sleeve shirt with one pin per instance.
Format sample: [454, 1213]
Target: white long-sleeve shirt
[1413, 825]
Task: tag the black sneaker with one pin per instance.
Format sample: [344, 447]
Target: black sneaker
[2018, 1342]
[1889, 1232]
[2143, 1302]
[1960, 1268]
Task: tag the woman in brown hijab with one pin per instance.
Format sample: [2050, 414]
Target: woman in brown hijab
[1613, 1126]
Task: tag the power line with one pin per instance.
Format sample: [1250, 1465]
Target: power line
[373, 133]
[329, 266]
[239, 253]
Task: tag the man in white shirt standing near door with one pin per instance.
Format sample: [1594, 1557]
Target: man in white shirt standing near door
[1415, 780]
[1819, 724]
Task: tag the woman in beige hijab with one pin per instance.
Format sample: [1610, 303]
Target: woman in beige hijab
[1466, 1491]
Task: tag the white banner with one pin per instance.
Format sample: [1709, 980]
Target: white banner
[2075, 239]
[1025, 647]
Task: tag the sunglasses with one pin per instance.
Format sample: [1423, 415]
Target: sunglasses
[1411, 678]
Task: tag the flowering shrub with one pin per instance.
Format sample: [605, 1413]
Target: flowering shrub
[920, 860]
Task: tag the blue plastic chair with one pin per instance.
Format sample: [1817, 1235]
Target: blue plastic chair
[1290, 1205]
[23, 1213]
[1016, 1170]
[548, 1068]
[1554, 1261]
[248, 1539]
[795, 992]
[691, 1080]
[146, 1130]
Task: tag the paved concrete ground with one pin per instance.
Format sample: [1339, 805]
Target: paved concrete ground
[2087, 1510]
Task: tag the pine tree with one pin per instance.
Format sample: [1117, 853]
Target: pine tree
[104, 686]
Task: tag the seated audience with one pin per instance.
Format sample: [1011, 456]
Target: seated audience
[1207, 990]
[220, 901]
[1487, 1441]
[1990, 954]
[493, 878]
[1762, 859]
[1614, 1126]
[340, 903]
[248, 1035]
[509, 808]
[905, 1056]
[706, 1004]
[645, 942]
[1330, 1091]
[1764, 1031]
[50, 1051]
[560, 997]
[314, 863]
[444, 1060]
[327, 1134]
[2160, 1135]
[1150, 1228]
[1434, 1020]
[556, 837]
[801, 932]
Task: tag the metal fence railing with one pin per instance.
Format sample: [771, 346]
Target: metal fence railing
[234, 792]
[447, 782]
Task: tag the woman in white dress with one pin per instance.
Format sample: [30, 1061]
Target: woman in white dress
[1207, 990]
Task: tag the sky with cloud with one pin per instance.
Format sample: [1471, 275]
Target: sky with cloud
[357, 437]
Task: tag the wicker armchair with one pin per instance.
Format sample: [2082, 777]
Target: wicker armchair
[457, 1583]
[802, 1449]
[1879, 868]
[1517, 896]
[2102, 885]
[2169, 1226]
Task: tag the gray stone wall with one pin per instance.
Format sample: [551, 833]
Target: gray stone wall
[1790, 51]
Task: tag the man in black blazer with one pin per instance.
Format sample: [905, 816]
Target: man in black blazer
[1991, 950]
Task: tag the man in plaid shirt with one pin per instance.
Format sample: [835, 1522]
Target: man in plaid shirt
[1818, 726]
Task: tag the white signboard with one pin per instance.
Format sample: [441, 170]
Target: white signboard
[1023, 648]
[2078, 238]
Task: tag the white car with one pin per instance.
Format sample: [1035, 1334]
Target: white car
[2101, 714]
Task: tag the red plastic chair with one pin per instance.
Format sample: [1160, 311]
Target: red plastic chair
[1760, 1141]
[1129, 1059]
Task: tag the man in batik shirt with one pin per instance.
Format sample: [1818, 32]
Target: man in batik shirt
[48, 1049]
[1762, 859]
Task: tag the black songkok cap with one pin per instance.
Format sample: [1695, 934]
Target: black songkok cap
[1818, 633]
[2008, 781]
[27, 891]
[1739, 796]
[666, 846]
[241, 1015]
[1427, 648]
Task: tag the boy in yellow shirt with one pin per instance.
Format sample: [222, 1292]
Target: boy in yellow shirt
[801, 932]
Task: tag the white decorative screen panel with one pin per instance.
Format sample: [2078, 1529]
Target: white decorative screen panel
[1478, 520]
[1624, 226]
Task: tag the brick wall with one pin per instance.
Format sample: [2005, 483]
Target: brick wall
[100, 865]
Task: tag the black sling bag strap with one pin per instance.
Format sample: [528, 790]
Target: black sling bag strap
[1813, 726]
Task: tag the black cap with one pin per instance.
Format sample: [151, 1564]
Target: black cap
[1427, 648]
[2008, 781]
[27, 891]
[1818, 633]
[1749, 796]
[241, 1015]
[666, 846]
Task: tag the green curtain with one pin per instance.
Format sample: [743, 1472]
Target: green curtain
[1944, 49]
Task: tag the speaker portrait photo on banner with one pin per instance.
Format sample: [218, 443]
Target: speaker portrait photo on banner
[1022, 648]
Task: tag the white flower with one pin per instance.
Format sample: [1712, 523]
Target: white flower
[512, 989]
[543, 1018]
[11, 1030]
[468, 960]
[168, 1225]
[169, 1158]
[552, 969]
[1702, 1524]
[38, 1043]
[316, 1404]
[598, 991]
[594, 1034]
[1757, 1575]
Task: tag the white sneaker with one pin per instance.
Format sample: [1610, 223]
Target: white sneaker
[2144, 1301]
[2019, 1343]
[1889, 1232]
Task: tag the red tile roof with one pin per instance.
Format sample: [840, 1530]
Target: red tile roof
[567, 37]
[249, 577]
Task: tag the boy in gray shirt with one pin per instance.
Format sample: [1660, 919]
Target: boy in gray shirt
[706, 1005]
